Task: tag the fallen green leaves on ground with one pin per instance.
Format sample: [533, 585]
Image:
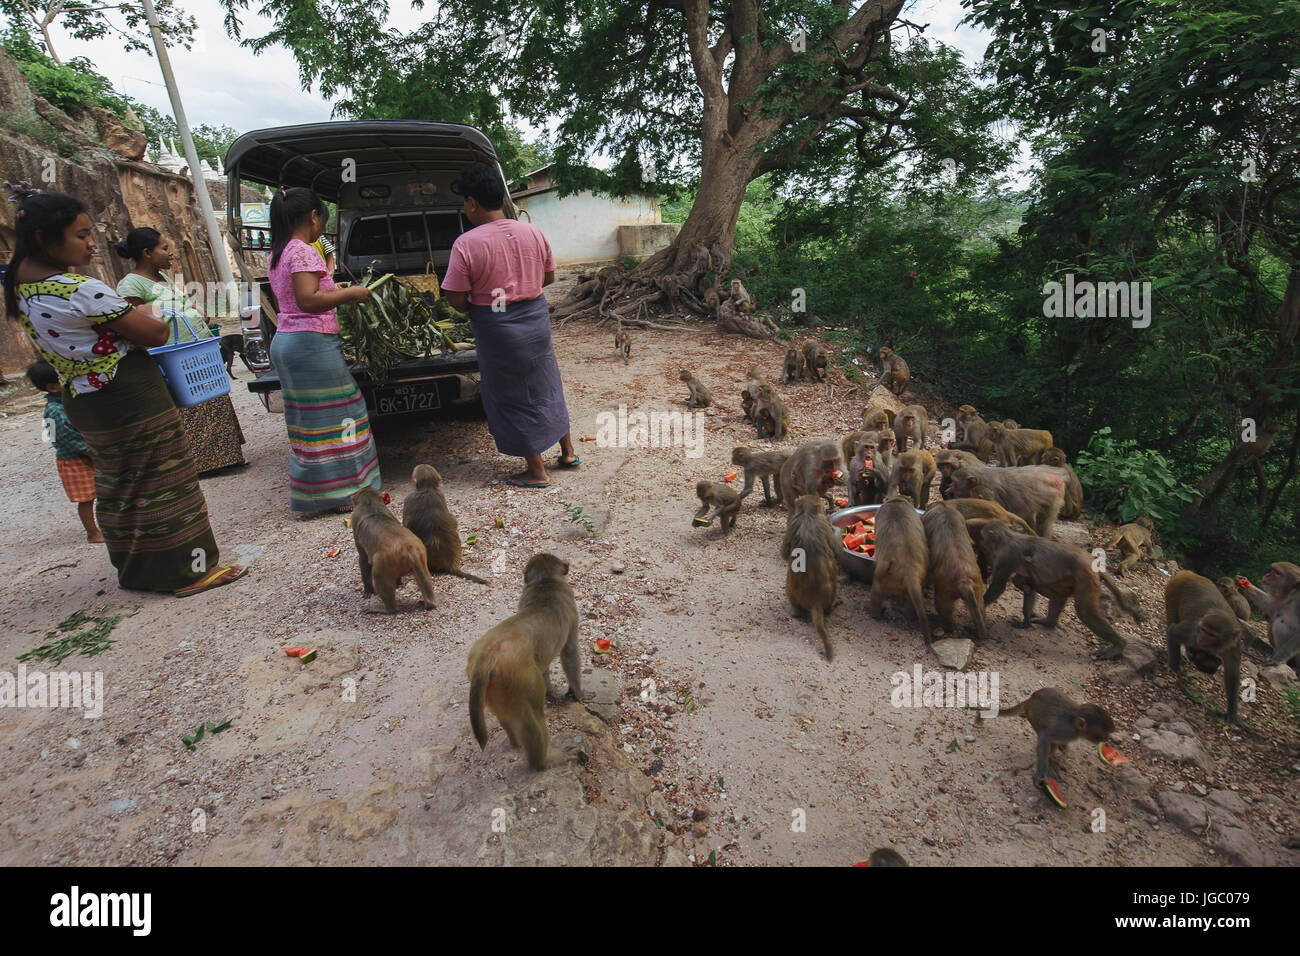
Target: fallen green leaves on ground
[209, 727]
[83, 634]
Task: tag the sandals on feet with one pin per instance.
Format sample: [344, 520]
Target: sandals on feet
[561, 463]
[221, 574]
[521, 481]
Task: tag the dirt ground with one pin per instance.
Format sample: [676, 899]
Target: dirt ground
[731, 735]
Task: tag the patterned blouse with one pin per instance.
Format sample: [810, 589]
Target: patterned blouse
[64, 316]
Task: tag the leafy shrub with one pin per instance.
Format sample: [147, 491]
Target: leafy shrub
[1124, 481]
[41, 131]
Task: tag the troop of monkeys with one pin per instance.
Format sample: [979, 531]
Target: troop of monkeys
[992, 522]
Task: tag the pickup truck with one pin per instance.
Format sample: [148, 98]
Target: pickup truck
[390, 181]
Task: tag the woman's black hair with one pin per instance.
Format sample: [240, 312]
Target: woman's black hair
[50, 214]
[41, 375]
[290, 208]
[483, 183]
[137, 242]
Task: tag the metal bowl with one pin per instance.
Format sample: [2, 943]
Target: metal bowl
[859, 566]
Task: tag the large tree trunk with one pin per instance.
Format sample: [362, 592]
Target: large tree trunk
[724, 174]
[736, 147]
[1262, 404]
[687, 276]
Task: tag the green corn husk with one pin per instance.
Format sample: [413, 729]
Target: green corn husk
[395, 324]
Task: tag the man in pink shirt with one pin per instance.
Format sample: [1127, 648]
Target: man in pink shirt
[496, 274]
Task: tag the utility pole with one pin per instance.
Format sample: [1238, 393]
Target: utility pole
[191, 154]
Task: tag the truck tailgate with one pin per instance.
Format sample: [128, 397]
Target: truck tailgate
[457, 363]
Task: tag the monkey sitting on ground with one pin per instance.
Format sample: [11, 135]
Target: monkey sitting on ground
[792, 371]
[902, 560]
[849, 443]
[509, 666]
[1280, 603]
[867, 484]
[623, 342]
[723, 500]
[700, 395]
[894, 373]
[809, 547]
[1058, 721]
[763, 465]
[773, 417]
[742, 297]
[1199, 619]
[815, 360]
[387, 552]
[426, 515]
[1057, 571]
[880, 449]
[1131, 539]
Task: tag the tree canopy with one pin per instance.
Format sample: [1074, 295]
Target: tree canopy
[90, 21]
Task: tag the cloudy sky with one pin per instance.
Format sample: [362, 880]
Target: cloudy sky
[224, 84]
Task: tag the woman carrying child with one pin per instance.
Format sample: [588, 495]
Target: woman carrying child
[151, 511]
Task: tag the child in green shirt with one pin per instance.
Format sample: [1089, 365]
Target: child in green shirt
[71, 454]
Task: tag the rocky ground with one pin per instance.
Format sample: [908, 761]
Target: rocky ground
[715, 730]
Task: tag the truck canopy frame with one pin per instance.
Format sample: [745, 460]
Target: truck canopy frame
[312, 155]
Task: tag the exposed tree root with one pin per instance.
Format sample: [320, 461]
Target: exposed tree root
[682, 282]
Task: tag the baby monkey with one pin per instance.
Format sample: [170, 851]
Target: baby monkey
[723, 500]
[1057, 720]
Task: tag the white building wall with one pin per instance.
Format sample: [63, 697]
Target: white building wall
[584, 227]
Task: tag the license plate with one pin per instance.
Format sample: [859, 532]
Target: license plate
[398, 399]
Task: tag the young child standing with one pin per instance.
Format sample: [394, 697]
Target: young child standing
[72, 455]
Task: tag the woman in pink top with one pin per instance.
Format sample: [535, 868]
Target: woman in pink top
[498, 268]
[332, 453]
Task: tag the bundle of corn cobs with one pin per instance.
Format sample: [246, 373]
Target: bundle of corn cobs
[395, 324]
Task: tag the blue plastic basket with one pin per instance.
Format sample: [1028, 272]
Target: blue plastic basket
[194, 371]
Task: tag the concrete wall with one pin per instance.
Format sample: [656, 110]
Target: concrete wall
[584, 227]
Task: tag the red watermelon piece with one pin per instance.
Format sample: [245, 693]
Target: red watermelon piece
[1109, 755]
[1053, 791]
